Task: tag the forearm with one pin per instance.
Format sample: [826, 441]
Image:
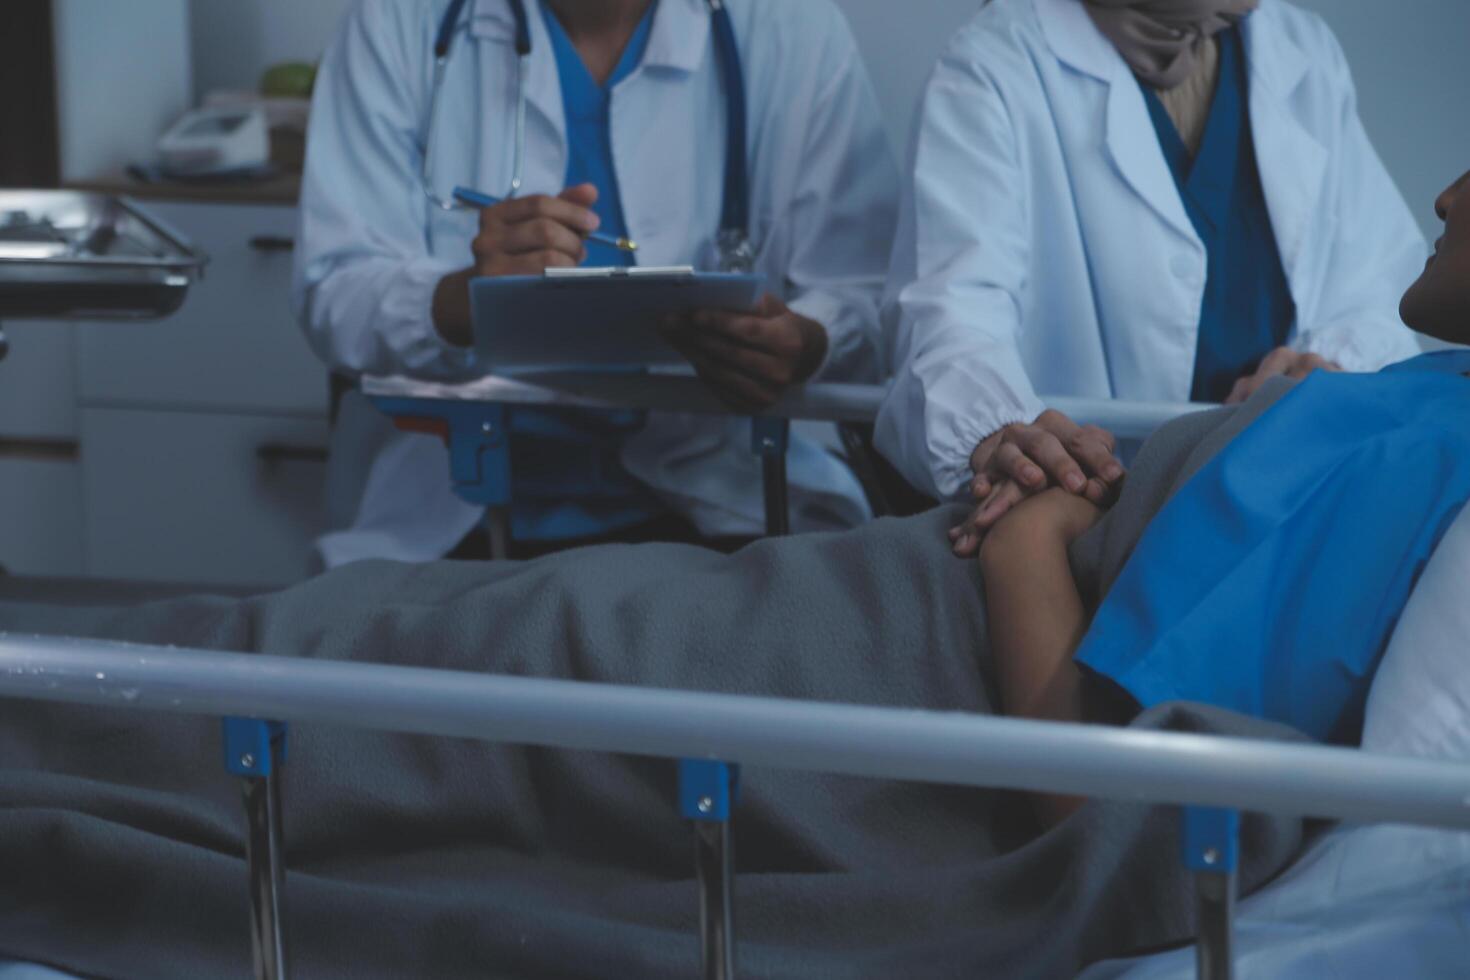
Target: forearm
[451, 308]
[371, 315]
[1037, 620]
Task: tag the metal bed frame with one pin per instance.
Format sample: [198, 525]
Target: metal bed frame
[473, 420]
[1212, 778]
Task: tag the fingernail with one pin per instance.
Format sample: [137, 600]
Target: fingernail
[1075, 482]
[1113, 472]
[1032, 474]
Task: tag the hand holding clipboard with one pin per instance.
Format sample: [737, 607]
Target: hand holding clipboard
[750, 359]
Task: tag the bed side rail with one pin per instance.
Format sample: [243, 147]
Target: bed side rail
[1212, 778]
[472, 418]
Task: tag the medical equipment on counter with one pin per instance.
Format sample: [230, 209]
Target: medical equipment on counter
[216, 140]
[734, 249]
[1213, 778]
[73, 256]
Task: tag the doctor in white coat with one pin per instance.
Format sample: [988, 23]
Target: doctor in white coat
[626, 131]
[1074, 226]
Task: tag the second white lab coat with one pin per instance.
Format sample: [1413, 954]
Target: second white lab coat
[1044, 247]
[372, 249]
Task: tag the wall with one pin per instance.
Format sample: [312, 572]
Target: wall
[122, 76]
[234, 40]
[1409, 60]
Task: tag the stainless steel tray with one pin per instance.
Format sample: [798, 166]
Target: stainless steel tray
[70, 255]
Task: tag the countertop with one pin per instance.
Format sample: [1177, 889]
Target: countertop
[282, 190]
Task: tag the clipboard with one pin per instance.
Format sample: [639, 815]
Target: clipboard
[594, 319]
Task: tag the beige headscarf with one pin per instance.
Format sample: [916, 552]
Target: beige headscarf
[1160, 39]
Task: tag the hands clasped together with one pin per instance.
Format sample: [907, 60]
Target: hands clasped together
[1024, 460]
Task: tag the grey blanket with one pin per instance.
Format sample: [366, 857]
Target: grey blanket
[120, 835]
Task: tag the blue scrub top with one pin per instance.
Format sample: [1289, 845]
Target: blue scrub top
[1272, 581]
[1248, 310]
[567, 479]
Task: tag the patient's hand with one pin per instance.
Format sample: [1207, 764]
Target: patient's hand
[1283, 361]
[1020, 461]
[1050, 520]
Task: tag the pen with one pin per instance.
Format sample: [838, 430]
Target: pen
[477, 200]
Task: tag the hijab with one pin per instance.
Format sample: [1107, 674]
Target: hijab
[1161, 39]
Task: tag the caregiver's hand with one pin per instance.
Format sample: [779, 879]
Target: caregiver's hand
[749, 359]
[1283, 361]
[1020, 461]
[523, 236]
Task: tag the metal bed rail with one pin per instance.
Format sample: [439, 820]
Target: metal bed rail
[667, 391]
[1212, 778]
[473, 419]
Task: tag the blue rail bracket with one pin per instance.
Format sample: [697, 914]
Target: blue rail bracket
[770, 438]
[1212, 853]
[707, 796]
[256, 752]
[478, 437]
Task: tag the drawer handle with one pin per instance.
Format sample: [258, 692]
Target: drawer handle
[39, 449]
[272, 243]
[280, 453]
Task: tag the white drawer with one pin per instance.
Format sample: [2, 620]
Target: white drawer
[234, 346]
[38, 390]
[200, 498]
[40, 513]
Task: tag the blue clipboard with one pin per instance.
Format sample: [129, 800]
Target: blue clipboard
[589, 319]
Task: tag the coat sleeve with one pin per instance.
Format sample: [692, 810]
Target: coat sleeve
[954, 309]
[843, 213]
[364, 279]
[1377, 250]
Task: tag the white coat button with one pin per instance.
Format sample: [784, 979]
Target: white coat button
[1182, 268]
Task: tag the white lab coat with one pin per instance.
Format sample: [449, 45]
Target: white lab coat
[1044, 247]
[372, 249]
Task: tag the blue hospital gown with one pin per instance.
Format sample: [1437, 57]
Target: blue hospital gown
[1271, 583]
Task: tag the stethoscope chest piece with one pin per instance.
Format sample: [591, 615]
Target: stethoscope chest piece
[734, 251]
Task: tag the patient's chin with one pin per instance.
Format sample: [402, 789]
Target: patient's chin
[1431, 309]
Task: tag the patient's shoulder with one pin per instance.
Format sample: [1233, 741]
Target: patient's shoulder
[1167, 461]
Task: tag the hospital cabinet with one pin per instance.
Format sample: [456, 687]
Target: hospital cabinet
[186, 450]
[40, 476]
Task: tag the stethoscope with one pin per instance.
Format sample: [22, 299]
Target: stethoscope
[735, 253]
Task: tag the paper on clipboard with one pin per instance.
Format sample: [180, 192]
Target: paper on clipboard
[579, 319]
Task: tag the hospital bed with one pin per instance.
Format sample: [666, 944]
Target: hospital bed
[710, 736]
[1212, 778]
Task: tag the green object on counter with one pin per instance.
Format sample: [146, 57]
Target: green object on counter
[292, 80]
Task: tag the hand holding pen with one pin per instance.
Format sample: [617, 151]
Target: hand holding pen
[523, 236]
[536, 233]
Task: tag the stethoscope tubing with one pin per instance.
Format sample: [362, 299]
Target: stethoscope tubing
[734, 237]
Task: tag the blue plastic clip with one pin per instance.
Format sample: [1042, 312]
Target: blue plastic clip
[1211, 839]
[708, 790]
[769, 436]
[250, 744]
[479, 444]
[479, 454]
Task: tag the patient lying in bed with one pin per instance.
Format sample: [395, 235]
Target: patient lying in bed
[1271, 581]
[432, 857]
